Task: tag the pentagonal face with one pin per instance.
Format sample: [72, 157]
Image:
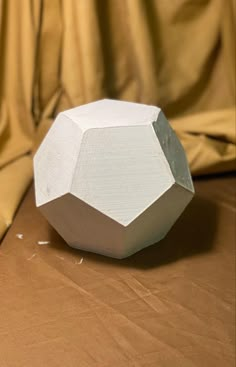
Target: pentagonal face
[111, 113]
[173, 151]
[55, 160]
[84, 227]
[121, 171]
[157, 220]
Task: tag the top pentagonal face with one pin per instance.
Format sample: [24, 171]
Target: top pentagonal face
[110, 113]
[121, 171]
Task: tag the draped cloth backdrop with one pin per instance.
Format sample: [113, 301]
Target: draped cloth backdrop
[55, 54]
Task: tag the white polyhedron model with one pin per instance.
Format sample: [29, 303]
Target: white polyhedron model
[112, 177]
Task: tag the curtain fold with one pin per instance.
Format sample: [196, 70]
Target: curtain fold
[55, 54]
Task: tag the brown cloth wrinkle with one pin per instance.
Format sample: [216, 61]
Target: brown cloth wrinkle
[169, 305]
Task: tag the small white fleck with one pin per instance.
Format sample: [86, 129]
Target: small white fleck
[31, 257]
[20, 236]
[43, 242]
[60, 257]
[79, 262]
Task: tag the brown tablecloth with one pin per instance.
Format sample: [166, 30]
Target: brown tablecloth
[170, 305]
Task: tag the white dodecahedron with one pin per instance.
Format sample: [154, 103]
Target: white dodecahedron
[112, 177]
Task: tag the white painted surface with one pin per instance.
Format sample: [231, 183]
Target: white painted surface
[121, 171]
[173, 151]
[156, 221]
[112, 113]
[55, 160]
[84, 227]
[112, 177]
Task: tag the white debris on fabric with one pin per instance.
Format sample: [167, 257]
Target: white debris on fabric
[79, 262]
[43, 242]
[20, 236]
[60, 257]
[31, 257]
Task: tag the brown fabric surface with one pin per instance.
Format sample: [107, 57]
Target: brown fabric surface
[171, 304]
[56, 54]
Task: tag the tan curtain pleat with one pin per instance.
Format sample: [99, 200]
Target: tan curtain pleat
[55, 54]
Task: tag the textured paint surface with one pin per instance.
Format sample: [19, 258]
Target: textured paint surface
[55, 160]
[112, 177]
[173, 151]
[112, 113]
[121, 171]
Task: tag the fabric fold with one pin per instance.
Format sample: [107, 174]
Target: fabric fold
[61, 53]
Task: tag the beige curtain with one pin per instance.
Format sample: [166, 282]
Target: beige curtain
[55, 54]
